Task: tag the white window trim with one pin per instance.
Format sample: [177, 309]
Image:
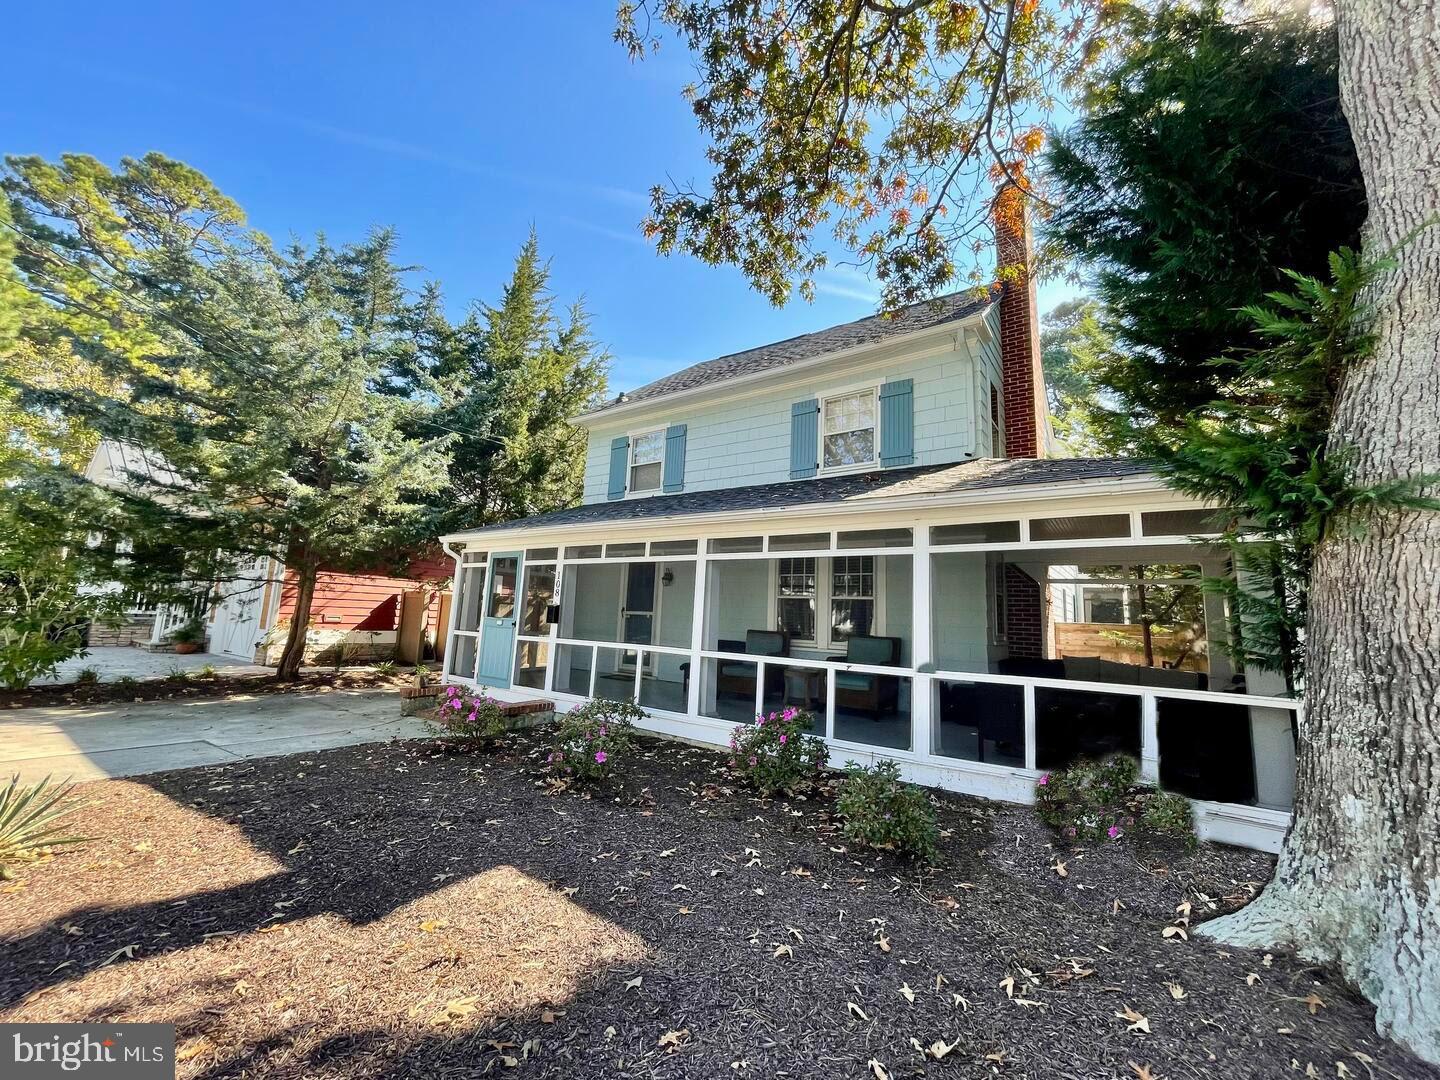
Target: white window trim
[860, 466]
[824, 583]
[633, 437]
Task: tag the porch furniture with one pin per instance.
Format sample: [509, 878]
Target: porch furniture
[805, 687]
[867, 691]
[996, 715]
[737, 677]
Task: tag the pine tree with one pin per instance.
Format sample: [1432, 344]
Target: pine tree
[510, 377]
[251, 374]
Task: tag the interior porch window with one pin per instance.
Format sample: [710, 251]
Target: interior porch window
[647, 461]
[842, 587]
[847, 430]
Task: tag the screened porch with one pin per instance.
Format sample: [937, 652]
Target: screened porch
[991, 650]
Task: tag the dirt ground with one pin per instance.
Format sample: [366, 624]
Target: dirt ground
[193, 684]
[398, 910]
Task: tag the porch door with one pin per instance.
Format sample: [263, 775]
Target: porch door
[640, 613]
[497, 632]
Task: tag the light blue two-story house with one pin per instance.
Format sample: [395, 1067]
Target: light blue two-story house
[862, 521]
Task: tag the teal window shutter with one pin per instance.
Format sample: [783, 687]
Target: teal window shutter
[674, 479]
[897, 423]
[804, 438]
[619, 462]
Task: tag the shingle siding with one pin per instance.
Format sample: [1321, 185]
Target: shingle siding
[748, 441]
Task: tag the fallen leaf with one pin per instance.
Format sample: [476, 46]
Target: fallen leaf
[856, 1010]
[1136, 1021]
[429, 926]
[964, 1003]
[1176, 991]
[127, 951]
[547, 1017]
[783, 950]
[883, 942]
[879, 1071]
[1008, 985]
[673, 1040]
[1314, 1003]
[666, 854]
[192, 1049]
[907, 993]
[634, 984]
[1059, 868]
[1252, 978]
[997, 1056]
[938, 1049]
[1175, 931]
[1143, 1072]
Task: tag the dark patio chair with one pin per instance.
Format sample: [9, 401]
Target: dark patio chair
[737, 677]
[867, 691]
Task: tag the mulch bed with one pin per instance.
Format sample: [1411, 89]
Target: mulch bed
[400, 910]
[195, 685]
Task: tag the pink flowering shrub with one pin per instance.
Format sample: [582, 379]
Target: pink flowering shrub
[1101, 801]
[777, 752]
[593, 740]
[470, 716]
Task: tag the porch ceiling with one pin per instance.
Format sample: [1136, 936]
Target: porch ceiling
[861, 491]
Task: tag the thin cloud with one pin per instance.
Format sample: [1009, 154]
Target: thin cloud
[384, 144]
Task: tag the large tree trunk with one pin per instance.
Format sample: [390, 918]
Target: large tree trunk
[288, 669]
[1358, 883]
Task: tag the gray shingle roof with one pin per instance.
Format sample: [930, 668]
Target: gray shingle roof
[867, 331]
[857, 488]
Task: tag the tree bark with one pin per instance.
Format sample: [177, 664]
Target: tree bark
[1358, 882]
[293, 654]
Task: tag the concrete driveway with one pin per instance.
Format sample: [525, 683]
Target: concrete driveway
[101, 741]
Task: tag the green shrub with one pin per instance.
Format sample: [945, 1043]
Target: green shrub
[471, 716]
[191, 632]
[592, 740]
[1168, 814]
[882, 811]
[88, 676]
[777, 751]
[209, 671]
[1100, 800]
[385, 667]
[127, 682]
[30, 819]
[177, 675]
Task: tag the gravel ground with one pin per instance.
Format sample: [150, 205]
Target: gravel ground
[402, 911]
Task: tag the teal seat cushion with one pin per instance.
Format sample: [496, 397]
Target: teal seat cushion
[863, 649]
[851, 680]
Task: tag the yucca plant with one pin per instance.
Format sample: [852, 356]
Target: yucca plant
[30, 819]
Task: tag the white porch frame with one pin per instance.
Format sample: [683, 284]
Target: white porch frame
[1253, 826]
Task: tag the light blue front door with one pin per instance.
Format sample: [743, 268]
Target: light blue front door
[497, 631]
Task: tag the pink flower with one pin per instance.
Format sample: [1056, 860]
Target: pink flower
[753, 762]
[759, 721]
[599, 757]
[1043, 780]
[1114, 832]
[783, 739]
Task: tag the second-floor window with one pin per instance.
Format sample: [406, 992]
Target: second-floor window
[848, 430]
[647, 461]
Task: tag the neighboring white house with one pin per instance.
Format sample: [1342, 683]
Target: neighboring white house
[859, 520]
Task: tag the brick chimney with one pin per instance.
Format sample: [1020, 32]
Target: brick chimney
[1022, 380]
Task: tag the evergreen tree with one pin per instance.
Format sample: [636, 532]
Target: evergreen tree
[509, 378]
[251, 374]
[1073, 344]
[1211, 156]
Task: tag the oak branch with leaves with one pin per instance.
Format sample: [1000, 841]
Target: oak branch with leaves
[880, 129]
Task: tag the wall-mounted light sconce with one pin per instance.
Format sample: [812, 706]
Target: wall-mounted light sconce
[667, 578]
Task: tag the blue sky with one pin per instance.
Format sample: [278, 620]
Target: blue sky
[461, 125]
